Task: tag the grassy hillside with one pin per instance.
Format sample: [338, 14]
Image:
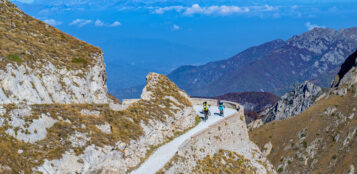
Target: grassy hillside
[25, 39]
[320, 140]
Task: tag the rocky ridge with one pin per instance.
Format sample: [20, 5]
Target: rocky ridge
[322, 139]
[294, 102]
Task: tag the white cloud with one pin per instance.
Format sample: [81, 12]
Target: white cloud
[170, 8]
[80, 22]
[310, 26]
[215, 9]
[221, 10]
[98, 23]
[52, 22]
[175, 27]
[115, 24]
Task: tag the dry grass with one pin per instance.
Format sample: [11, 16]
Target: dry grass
[224, 162]
[302, 131]
[24, 39]
[56, 142]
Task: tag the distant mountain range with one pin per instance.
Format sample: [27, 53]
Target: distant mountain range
[277, 66]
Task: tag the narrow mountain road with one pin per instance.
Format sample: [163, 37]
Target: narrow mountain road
[164, 153]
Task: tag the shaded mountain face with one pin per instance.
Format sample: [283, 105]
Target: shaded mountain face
[322, 139]
[350, 63]
[276, 66]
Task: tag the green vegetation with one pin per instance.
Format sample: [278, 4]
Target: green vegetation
[280, 170]
[14, 57]
[334, 156]
[80, 60]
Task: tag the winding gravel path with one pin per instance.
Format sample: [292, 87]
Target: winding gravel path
[164, 153]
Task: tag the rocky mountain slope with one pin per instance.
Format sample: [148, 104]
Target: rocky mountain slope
[321, 139]
[70, 138]
[223, 148]
[56, 115]
[293, 103]
[315, 55]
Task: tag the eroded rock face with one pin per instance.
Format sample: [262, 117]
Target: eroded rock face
[228, 136]
[46, 84]
[122, 156]
[294, 102]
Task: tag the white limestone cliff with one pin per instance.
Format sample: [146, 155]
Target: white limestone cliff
[46, 84]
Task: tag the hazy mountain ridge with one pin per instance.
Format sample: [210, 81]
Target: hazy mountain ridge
[314, 55]
[199, 77]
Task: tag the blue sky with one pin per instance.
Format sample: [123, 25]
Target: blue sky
[139, 36]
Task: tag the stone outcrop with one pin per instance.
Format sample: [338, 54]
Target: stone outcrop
[46, 84]
[122, 156]
[294, 102]
[229, 136]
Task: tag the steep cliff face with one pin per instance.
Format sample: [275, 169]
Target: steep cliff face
[294, 102]
[222, 148]
[322, 139]
[41, 65]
